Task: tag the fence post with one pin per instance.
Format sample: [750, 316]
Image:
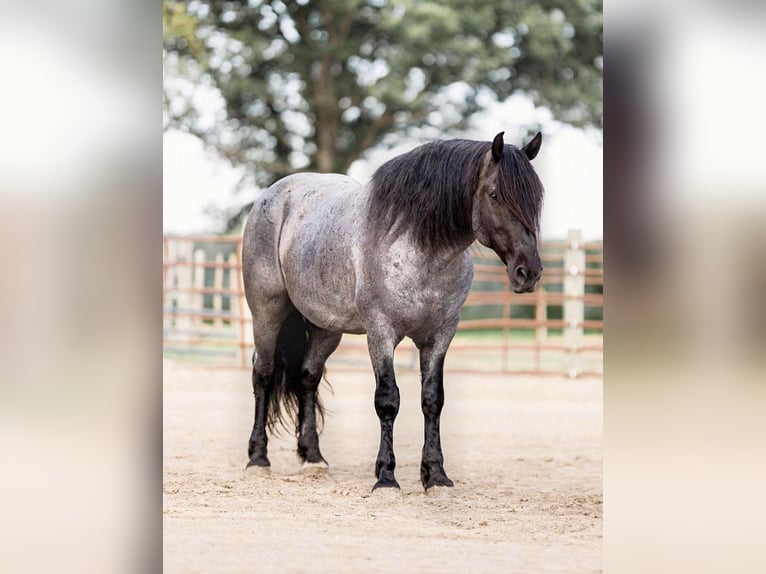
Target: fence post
[245, 329]
[198, 298]
[574, 305]
[183, 259]
[167, 320]
[218, 286]
[506, 329]
[541, 332]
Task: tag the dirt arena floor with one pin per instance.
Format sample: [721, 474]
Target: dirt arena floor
[524, 453]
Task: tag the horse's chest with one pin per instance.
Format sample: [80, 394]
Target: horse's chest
[426, 296]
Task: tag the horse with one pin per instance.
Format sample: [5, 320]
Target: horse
[324, 255]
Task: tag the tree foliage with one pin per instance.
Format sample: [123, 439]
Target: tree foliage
[312, 84]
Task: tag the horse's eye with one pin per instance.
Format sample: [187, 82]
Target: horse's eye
[493, 196]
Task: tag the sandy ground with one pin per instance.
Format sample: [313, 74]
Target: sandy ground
[524, 453]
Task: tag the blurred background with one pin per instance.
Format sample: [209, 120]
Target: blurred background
[80, 203]
[685, 211]
[255, 91]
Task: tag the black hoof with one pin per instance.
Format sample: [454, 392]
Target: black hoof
[311, 456]
[433, 476]
[315, 460]
[438, 481]
[386, 480]
[315, 468]
[258, 461]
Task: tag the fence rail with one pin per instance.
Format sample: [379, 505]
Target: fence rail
[557, 330]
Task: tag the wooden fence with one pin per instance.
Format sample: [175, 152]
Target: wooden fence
[557, 330]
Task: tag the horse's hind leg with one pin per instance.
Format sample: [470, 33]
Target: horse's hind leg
[321, 344]
[266, 324]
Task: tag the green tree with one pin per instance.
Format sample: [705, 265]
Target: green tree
[313, 84]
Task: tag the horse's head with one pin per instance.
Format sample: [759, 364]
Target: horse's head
[506, 210]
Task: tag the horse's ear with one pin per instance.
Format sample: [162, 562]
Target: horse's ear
[497, 147]
[533, 146]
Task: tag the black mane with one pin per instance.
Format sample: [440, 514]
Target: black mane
[428, 192]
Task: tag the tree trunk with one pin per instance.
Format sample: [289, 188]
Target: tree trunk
[326, 101]
[327, 128]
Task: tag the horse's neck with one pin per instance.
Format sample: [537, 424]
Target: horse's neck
[432, 261]
[441, 256]
[448, 255]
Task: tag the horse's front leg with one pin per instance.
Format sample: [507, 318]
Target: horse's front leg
[432, 353]
[381, 345]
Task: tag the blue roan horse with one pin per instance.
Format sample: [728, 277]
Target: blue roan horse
[324, 255]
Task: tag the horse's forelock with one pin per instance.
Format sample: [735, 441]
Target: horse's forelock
[520, 188]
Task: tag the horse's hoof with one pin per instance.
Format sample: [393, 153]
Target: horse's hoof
[258, 467]
[315, 468]
[436, 479]
[386, 484]
[387, 491]
[439, 491]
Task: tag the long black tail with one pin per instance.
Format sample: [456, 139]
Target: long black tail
[286, 387]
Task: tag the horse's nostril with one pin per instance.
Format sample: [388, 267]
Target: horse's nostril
[520, 273]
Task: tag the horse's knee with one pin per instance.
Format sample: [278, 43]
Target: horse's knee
[387, 401]
[432, 402]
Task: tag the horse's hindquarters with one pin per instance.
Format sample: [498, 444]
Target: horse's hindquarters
[317, 250]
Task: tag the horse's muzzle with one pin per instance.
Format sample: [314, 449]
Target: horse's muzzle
[523, 279]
